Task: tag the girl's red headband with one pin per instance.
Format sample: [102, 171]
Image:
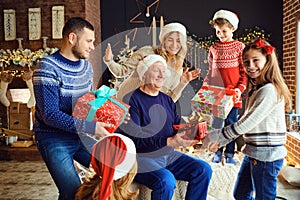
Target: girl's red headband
[260, 44]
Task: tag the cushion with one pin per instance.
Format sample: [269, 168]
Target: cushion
[291, 175]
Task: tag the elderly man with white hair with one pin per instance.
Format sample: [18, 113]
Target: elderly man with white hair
[153, 115]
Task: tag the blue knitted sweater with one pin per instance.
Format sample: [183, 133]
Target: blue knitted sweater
[58, 83]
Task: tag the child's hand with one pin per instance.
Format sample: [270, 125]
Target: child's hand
[238, 94]
[214, 146]
[211, 141]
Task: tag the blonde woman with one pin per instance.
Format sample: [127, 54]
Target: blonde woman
[172, 48]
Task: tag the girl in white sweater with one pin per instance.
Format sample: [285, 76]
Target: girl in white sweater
[262, 125]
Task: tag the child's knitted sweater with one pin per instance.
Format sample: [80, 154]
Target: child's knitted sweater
[58, 83]
[226, 67]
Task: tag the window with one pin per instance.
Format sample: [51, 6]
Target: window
[298, 69]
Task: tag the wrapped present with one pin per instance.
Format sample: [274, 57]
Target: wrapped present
[100, 105]
[193, 131]
[214, 100]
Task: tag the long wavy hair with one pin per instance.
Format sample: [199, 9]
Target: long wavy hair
[89, 189]
[271, 73]
[177, 62]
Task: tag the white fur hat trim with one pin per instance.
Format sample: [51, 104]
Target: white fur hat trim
[147, 62]
[230, 16]
[172, 27]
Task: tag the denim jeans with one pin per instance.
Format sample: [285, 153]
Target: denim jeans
[160, 175]
[59, 155]
[218, 123]
[257, 177]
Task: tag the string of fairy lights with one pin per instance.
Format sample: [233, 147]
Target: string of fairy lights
[247, 37]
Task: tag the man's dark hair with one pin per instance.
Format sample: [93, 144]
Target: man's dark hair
[76, 25]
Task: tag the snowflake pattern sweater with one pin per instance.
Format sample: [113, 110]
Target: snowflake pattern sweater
[58, 83]
[226, 66]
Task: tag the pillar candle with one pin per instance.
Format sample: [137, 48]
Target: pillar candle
[154, 31]
[161, 22]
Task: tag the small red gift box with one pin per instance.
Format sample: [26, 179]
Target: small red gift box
[193, 131]
[100, 106]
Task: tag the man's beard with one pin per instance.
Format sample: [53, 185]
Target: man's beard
[77, 54]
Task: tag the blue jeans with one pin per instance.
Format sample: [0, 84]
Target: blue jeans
[160, 175]
[219, 123]
[59, 155]
[257, 177]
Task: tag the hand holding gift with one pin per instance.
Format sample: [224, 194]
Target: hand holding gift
[214, 100]
[100, 129]
[191, 131]
[176, 141]
[101, 106]
[238, 94]
[211, 141]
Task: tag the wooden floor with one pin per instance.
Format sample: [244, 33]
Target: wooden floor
[9, 153]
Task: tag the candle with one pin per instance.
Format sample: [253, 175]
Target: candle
[127, 41]
[161, 22]
[154, 31]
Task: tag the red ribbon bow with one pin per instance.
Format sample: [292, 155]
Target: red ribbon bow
[260, 44]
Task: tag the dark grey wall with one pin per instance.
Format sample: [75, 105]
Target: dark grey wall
[194, 14]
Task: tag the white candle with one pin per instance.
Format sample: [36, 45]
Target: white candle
[126, 41]
[154, 31]
[161, 22]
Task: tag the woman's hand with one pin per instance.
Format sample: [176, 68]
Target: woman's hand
[187, 75]
[108, 54]
[100, 130]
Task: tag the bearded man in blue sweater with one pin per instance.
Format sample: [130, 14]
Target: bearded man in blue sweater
[59, 81]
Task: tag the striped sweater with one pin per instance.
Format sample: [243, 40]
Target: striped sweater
[226, 66]
[262, 126]
[58, 83]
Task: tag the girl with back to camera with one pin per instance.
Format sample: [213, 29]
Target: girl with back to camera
[262, 125]
[113, 160]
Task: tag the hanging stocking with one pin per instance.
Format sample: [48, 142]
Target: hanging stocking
[6, 78]
[26, 76]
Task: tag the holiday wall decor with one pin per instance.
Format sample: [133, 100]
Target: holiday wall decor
[9, 24]
[19, 63]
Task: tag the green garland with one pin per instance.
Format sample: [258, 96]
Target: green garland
[247, 37]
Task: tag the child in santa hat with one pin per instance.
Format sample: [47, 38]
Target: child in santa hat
[226, 69]
[114, 163]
